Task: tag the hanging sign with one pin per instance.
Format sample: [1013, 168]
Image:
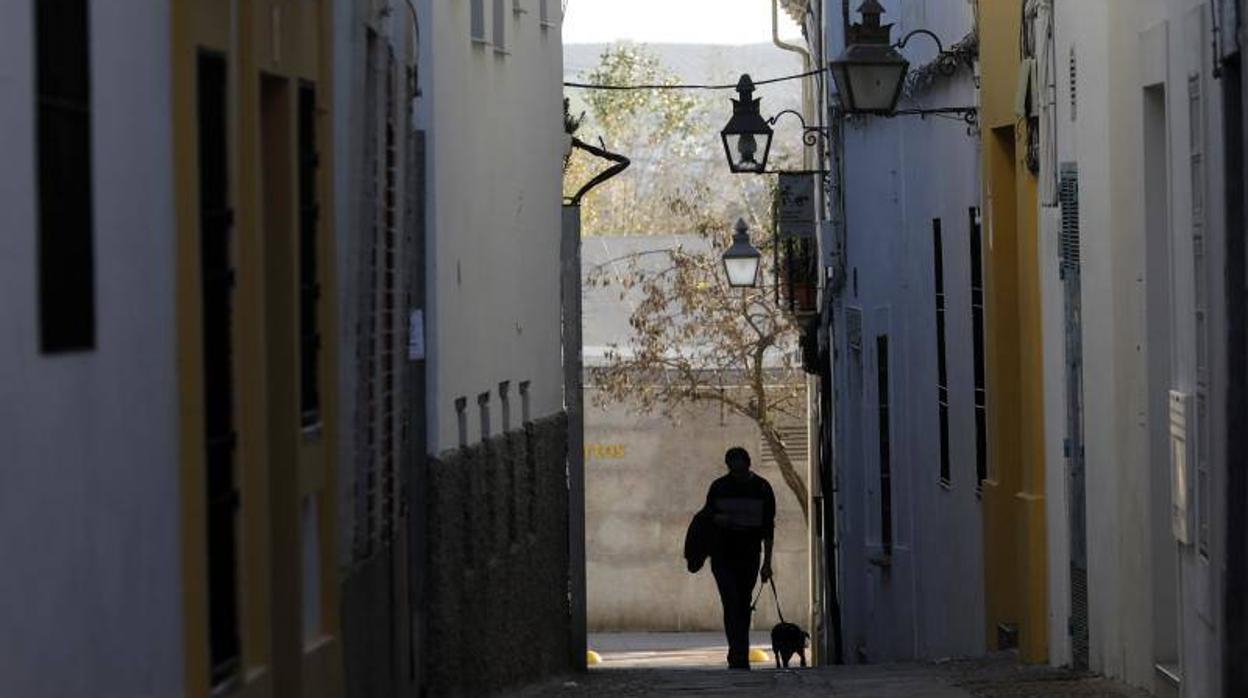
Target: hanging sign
[795, 205]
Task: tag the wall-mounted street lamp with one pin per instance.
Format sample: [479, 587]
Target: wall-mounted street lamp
[871, 72]
[747, 137]
[741, 261]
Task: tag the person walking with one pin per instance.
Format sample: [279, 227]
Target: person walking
[743, 508]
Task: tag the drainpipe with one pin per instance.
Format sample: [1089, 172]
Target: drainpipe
[775, 39]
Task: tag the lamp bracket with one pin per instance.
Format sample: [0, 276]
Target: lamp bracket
[940, 47]
[811, 135]
[969, 115]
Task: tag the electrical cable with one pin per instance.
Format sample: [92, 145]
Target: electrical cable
[733, 86]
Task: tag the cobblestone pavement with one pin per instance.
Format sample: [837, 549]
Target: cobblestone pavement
[691, 666]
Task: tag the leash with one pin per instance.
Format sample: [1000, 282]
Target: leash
[774, 595]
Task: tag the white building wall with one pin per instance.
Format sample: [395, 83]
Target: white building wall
[1122, 48]
[495, 142]
[902, 173]
[89, 494]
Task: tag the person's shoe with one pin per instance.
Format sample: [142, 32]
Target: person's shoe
[739, 666]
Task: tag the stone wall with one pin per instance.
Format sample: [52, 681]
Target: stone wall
[497, 593]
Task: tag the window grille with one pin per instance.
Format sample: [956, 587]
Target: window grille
[63, 142]
[217, 279]
[942, 372]
[886, 471]
[309, 287]
[978, 338]
[1204, 501]
[390, 311]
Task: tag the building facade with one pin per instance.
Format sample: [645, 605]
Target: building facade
[902, 293]
[1107, 195]
[245, 329]
[1143, 215]
[497, 511]
[89, 510]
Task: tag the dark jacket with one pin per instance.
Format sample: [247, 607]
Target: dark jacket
[701, 539]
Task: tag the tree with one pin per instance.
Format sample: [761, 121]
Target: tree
[678, 181]
[696, 341]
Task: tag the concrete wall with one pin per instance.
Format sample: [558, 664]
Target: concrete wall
[645, 477]
[498, 562]
[927, 599]
[496, 142]
[89, 502]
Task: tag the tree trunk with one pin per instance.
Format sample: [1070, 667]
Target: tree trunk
[792, 478]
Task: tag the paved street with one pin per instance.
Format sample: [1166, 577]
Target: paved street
[690, 664]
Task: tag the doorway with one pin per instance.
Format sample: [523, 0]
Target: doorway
[1165, 573]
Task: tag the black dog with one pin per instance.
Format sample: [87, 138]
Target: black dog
[787, 640]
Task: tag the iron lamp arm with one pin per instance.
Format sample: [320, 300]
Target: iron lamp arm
[940, 46]
[810, 134]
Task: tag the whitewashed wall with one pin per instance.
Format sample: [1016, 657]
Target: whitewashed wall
[900, 174]
[495, 148]
[88, 477]
[1132, 270]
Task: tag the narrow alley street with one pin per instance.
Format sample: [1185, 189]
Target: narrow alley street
[426, 348]
[671, 664]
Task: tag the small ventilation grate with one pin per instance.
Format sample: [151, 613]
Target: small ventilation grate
[1073, 67]
[1079, 617]
[795, 440]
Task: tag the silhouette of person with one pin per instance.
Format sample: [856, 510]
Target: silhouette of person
[743, 508]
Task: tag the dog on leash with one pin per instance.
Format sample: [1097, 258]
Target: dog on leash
[787, 639]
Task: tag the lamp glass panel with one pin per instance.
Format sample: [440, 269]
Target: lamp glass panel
[875, 85]
[742, 271]
[746, 151]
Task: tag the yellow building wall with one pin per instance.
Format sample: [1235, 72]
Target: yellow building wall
[1013, 494]
[271, 48]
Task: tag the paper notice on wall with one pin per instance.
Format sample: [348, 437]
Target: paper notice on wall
[416, 335]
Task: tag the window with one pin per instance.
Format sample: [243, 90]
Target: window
[63, 133]
[476, 13]
[500, 25]
[886, 474]
[1200, 242]
[217, 279]
[942, 373]
[977, 329]
[309, 288]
